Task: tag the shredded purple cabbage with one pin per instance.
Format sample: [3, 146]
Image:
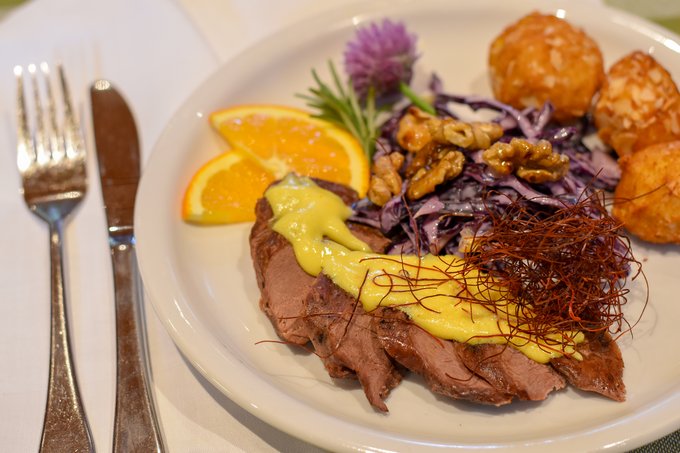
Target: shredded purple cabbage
[459, 209]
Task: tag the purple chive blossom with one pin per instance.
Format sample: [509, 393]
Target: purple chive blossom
[381, 56]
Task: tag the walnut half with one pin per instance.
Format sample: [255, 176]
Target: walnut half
[417, 129]
[385, 180]
[445, 164]
[472, 136]
[533, 162]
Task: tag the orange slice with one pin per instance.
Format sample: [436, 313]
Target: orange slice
[225, 189]
[268, 142]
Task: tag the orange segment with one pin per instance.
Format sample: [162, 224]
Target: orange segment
[288, 139]
[225, 189]
[267, 142]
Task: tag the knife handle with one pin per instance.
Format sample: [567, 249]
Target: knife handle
[136, 426]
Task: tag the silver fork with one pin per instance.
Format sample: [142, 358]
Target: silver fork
[52, 166]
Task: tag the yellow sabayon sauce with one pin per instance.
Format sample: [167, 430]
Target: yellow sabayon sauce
[435, 291]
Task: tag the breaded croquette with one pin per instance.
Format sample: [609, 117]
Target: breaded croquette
[544, 58]
[639, 105]
[647, 199]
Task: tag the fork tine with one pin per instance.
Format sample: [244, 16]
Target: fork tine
[56, 144]
[73, 144]
[25, 146]
[42, 150]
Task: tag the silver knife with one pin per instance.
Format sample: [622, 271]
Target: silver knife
[136, 426]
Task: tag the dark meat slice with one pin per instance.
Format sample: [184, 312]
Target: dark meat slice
[600, 371]
[284, 289]
[347, 194]
[510, 371]
[265, 242]
[283, 284]
[435, 359]
[343, 339]
[374, 238]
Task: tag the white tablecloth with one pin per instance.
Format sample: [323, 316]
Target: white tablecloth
[156, 52]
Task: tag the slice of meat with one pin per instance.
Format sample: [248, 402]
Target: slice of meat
[284, 289]
[371, 236]
[600, 371]
[281, 299]
[282, 282]
[343, 339]
[265, 242]
[510, 371]
[435, 359]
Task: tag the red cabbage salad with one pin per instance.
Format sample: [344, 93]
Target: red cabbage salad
[459, 208]
[379, 64]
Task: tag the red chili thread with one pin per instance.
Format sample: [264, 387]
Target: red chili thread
[565, 270]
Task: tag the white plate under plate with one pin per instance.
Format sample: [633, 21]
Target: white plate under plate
[201, 283]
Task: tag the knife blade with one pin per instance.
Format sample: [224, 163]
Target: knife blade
[136, 426]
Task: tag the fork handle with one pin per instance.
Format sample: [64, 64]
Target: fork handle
[136, 426]
[65, 428]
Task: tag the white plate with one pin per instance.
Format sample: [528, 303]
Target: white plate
[201, 283]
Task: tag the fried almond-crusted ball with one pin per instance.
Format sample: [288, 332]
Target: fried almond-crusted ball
[544, 58]
[647, 199]
[639, 105]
